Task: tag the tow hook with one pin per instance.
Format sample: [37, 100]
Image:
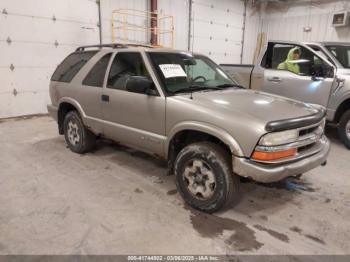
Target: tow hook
[324, 163]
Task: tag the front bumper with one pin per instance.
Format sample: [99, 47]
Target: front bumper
[53, 111]
[267, 173]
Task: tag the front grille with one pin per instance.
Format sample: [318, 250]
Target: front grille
[307, 130]
[308, 141]
[305, 148]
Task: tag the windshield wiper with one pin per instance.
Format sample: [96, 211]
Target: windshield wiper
[194, 88]
[229, 85]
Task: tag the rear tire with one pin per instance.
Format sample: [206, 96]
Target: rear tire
[344, 129]
[78, 138]
[204, 177]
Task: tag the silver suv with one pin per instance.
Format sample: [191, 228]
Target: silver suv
[184, 108]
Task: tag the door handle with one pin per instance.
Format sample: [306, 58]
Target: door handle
[274, 79]
[315, 78]
[105, 98]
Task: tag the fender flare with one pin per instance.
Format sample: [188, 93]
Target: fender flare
[213, 130]
[73, 103]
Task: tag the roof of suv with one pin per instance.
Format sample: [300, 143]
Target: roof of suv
[128, 47]
[131, 47]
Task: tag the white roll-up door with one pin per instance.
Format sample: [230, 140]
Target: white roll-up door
[35, 36]
[216, 29]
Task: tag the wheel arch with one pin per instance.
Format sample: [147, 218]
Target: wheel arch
[66, 105]
[343, 107]
[187, 132]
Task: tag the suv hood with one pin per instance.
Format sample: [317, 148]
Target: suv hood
[241, 113]
[255, 105]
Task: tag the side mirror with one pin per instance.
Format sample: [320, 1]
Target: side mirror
[322, 70]
[330, 72]
[141, 85]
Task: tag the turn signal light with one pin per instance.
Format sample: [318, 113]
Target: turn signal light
[268, 156]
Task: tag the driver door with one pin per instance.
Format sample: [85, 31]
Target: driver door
[312, 84]
[134, 119]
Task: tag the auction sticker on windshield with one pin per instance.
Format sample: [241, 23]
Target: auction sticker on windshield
[172, 70]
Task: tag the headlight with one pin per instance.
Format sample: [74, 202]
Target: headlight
[279, 138]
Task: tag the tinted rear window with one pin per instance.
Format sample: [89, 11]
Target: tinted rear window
[97, 74]
[66, 71]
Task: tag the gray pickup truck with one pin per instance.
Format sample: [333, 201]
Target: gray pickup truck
[317, 73]
[184, 109]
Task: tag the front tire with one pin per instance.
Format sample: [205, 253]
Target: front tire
[78, 138]
[344, 129]
[204, 177]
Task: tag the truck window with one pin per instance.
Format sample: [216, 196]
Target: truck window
[293, 58]
[321, 53]
[341, 53]
[70, 66]
[97, 74]
[125, 64]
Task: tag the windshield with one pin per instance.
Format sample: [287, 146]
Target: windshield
[341, 53]
[182, 72]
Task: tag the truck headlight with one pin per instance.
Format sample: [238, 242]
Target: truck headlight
[269, 150]
[279, 138]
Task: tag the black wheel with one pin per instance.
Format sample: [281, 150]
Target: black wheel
[78, 138]
[344, 129]
[204, 177]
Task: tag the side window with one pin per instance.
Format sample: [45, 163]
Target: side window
[125, 65]
[295, 59]
[68, 69]
[321, 54]
[97, 74]
[266, 61]
[341, 53]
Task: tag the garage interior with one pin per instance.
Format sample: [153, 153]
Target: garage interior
[119, 201]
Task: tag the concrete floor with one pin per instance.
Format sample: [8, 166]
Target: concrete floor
[118, 201]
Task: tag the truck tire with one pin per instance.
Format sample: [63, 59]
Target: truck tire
[78, 138]
[344, 128]
[204, 177]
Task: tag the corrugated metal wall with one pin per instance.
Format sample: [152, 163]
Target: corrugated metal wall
[34, 37]
[287, 22]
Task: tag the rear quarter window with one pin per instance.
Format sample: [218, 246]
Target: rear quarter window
[97, 74]
[70, 66]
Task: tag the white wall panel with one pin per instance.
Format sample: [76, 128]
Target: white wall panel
[216, 29]
[252, 28]
[32, 51]
[179, 9]
[107, 7]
